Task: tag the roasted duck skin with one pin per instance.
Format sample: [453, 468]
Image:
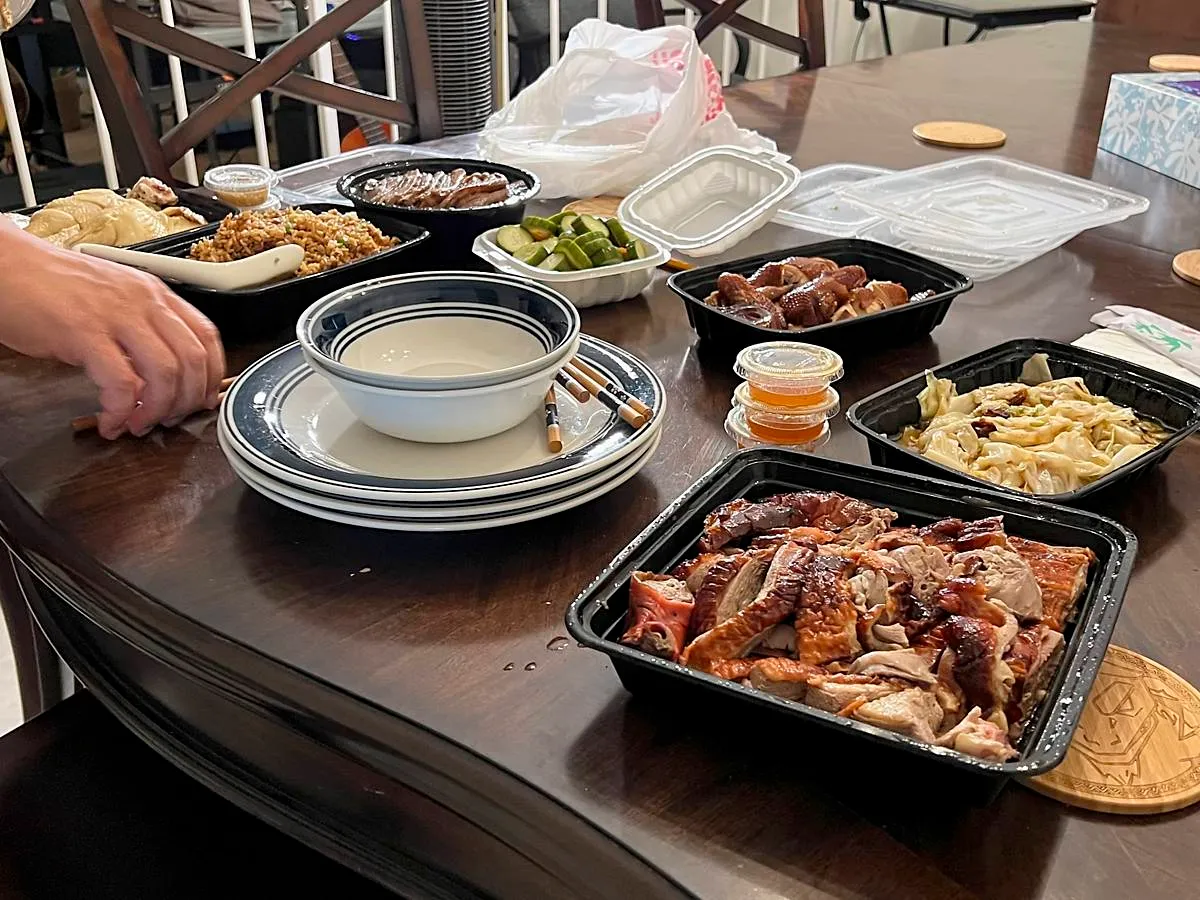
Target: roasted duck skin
[739, 518]
[826, 618]
[659, 608]
[728, 586]
[1061, 572]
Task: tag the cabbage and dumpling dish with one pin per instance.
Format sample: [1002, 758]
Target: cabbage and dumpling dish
[1047, 437]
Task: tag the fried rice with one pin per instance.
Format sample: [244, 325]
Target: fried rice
[330, 239]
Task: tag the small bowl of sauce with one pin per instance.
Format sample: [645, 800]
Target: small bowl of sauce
[243, 185]
[788, 374]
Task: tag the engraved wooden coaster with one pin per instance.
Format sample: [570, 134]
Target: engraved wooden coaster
[1137, 748]
[1175, 62]
[960, 135]
[1187, 266]
[595, 206]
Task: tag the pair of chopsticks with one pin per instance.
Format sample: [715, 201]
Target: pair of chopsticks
[81, 424]
[585, 382]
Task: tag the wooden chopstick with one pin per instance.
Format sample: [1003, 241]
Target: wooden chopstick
[80, 424]
[612, 387]
[553, 432]
[677, 265]
[578, 391]
[622, 409]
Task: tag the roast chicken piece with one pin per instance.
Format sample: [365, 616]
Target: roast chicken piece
[728, 586]
[799, 269]
[956, 536]
[826, 618]
[976, 736]
[659, 609]
[787, 678]
[913, 712]
[100, 216]
[977, 664]
[1032, 659]
[691, 572]
[776, 600]
[1007, 577]
[730, 669]
[1061, 572]
[841, 693]
[814, 303]
[876, 296]
[154, 193]
[739, 518]
[907, 664]
[130, 222]
[777, 537]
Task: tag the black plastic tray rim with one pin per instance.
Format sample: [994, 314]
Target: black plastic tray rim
[682, 283]
[1076, 673]
[1146, 379]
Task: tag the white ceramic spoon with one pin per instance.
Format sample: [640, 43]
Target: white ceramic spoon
[223, 276]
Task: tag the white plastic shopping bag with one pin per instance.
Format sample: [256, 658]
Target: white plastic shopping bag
[619, 107]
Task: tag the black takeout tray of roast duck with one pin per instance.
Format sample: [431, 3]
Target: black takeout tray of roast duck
[266, 309]
[725, 331]
[881, 417]
[452, 230]
[597, 617]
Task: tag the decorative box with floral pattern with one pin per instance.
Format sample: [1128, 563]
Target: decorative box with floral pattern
[1153, 119]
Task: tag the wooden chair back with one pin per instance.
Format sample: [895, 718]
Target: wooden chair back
[808, 46]
[1178, 18]
[99, 26]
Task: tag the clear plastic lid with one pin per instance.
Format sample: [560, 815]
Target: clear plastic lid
[788, 367]
[819, 203]
[243, 185]
[991, 201]
[787, 416]
[711, 200]
[738, 429]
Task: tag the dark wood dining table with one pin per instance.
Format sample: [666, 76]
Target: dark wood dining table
[399, 701]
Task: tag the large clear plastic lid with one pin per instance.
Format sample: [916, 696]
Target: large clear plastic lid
[989, 201]
[788, 367]
[819, 203]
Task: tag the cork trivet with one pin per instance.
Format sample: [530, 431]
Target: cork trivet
[1137, 748]
[960, 135]
[1175, 62]
[595, 206]
[1187, 266]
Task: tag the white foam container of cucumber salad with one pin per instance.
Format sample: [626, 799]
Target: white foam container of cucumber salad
[583, 287]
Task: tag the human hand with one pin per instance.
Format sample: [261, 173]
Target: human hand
[154, 357]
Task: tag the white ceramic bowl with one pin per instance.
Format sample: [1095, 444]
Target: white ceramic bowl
[439, 331]
[444, 417]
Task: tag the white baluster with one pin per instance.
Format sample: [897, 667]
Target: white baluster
[106, 148]
[728, 59]
[555, 30]
[177, 91]
[502, 39]
[256, 107]
[760, 65]
[689, 17]
[602, 10]
[14, 133]
[389, 61]
[322, 63]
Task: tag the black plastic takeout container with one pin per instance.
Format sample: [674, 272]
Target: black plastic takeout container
[901, 325]
[881, 417]
[256, 312]
[453, 231]
[596, 618]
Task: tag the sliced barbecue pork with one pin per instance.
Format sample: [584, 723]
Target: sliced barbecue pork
[659, 609]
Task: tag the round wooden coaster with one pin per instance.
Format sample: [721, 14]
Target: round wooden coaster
[1137, 748]
[1187, 266]
[960, 135]
[1175, 62]
[595, 206]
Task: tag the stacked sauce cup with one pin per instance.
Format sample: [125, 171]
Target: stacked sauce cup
[787, 397]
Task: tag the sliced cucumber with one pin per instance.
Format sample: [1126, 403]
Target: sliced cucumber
[574, 253]
[512, 238]
[538, 227]
[606, 257]
[586, 223]
[549, 244]
[567, 221]
[532, 254]
[558, 217]
[555, 262]
[592, 242]
[637, 249]
[620, 236]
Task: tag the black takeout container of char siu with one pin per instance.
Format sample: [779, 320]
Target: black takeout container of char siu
[452, 231]
[726, 333]
[881, 417]
[268, 309]
[596, 618]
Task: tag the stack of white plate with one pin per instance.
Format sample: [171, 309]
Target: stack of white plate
[290, 437]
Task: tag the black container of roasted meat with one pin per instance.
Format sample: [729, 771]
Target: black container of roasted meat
[257, 312]
[881, 417]
[726, 333]
[596, 618]
[452, 231]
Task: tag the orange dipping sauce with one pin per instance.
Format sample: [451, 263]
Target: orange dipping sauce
[768, 397]
[774, 434]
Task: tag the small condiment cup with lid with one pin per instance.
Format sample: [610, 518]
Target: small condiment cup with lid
[242, 185]
[738, 429]
[785, 425]
[788, 373]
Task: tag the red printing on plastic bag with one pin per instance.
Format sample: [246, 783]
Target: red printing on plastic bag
[674, 59]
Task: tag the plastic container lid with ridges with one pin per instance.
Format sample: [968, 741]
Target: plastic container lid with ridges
[819, 204]
[786, 416]
[736, 428]
[788, 367]
[710, 201]
[991, 201]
